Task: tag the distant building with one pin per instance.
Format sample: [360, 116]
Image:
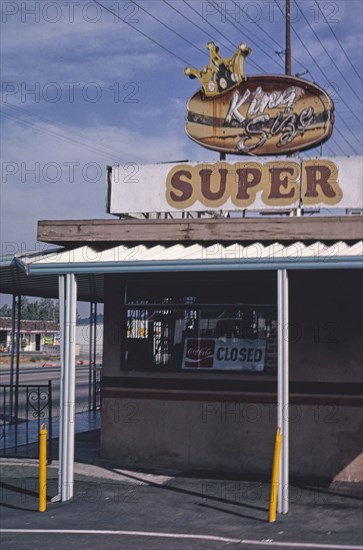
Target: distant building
[83, 337]
[42, 336]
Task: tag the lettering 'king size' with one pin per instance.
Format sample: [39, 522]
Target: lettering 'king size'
[257, 115]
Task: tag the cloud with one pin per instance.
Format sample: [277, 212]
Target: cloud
[49, 177]
[40, 134]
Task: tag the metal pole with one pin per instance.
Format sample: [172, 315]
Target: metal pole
[18, 312]
[72, 377]
[94, 355]
[69, 387]
[65, 404]
[12, 353]
[280, 409]
[285, 436]
[288, 40]
[275, 477]
[283, 388]
[42, 506]
[50, 416]
[61, 295]
[90, 358]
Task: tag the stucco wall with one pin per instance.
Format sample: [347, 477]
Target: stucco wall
[230, 436]
[326, 422]
[326, 325]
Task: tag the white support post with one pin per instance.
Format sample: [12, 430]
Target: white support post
[67, 318]
[61, 295]
[283, 387]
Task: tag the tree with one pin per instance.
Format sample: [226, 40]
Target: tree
[48, 310]
[44, 309]
[5, 311]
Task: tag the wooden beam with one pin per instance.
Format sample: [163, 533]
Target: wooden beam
[225, 229]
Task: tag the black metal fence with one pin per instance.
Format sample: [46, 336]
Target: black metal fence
[23, 409]
[97, 381]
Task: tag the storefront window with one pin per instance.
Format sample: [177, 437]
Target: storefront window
[205, 326]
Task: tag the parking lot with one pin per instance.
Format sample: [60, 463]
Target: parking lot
[131, 509]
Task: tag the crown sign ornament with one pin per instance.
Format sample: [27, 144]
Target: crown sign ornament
[222, 74]
[255, 114]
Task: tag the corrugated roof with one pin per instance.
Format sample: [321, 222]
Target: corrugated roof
[36, 274]
[298, 255]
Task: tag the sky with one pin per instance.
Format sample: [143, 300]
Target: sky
[83, 88]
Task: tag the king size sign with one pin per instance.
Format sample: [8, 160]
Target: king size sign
[224, 354]
[253, 185]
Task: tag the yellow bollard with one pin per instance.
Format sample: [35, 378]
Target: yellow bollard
[42, 468]
[275, 477]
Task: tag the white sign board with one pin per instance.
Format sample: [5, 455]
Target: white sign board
[224, 354]
[266, 184]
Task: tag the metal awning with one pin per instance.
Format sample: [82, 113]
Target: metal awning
[36, 274]
[80, 271]
[15, 280]
[179, 257]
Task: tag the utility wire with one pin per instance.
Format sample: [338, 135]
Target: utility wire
[45, 120]
[260, 40]
[224, 36]
[195, 25]
[266, 33]
[337, 114]
[346, 141]
[317, 65]
[342, 120]
[340, 148]
[56, 135]
[142, 33]
[329, 149]
[340, 44]
[170, 29]
[328, 54]
[220, 10]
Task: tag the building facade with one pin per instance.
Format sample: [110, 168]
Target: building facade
[192, 335]
[35, 336]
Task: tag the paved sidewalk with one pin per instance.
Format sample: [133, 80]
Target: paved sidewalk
[28, 432]
[130, 509]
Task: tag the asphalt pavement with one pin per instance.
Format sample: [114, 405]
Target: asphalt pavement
[133, 509]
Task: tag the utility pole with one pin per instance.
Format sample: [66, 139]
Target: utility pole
[288, 40]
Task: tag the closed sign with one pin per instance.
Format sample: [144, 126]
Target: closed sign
[224, 354]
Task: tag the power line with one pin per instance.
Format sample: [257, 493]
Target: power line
[238, 29]
[266, 33]
[315, 62]
[340, 44]
[54, 134]
[329, 149]
[195, 25]
[142, 33]
[346, 141]
[170, 29]
[45, 120]
[338, 146]
[328, 54]
[259, 26]
[220, 11]
[348, 128]
[224, 36]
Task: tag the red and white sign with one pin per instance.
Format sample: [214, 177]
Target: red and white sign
[224, 354]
